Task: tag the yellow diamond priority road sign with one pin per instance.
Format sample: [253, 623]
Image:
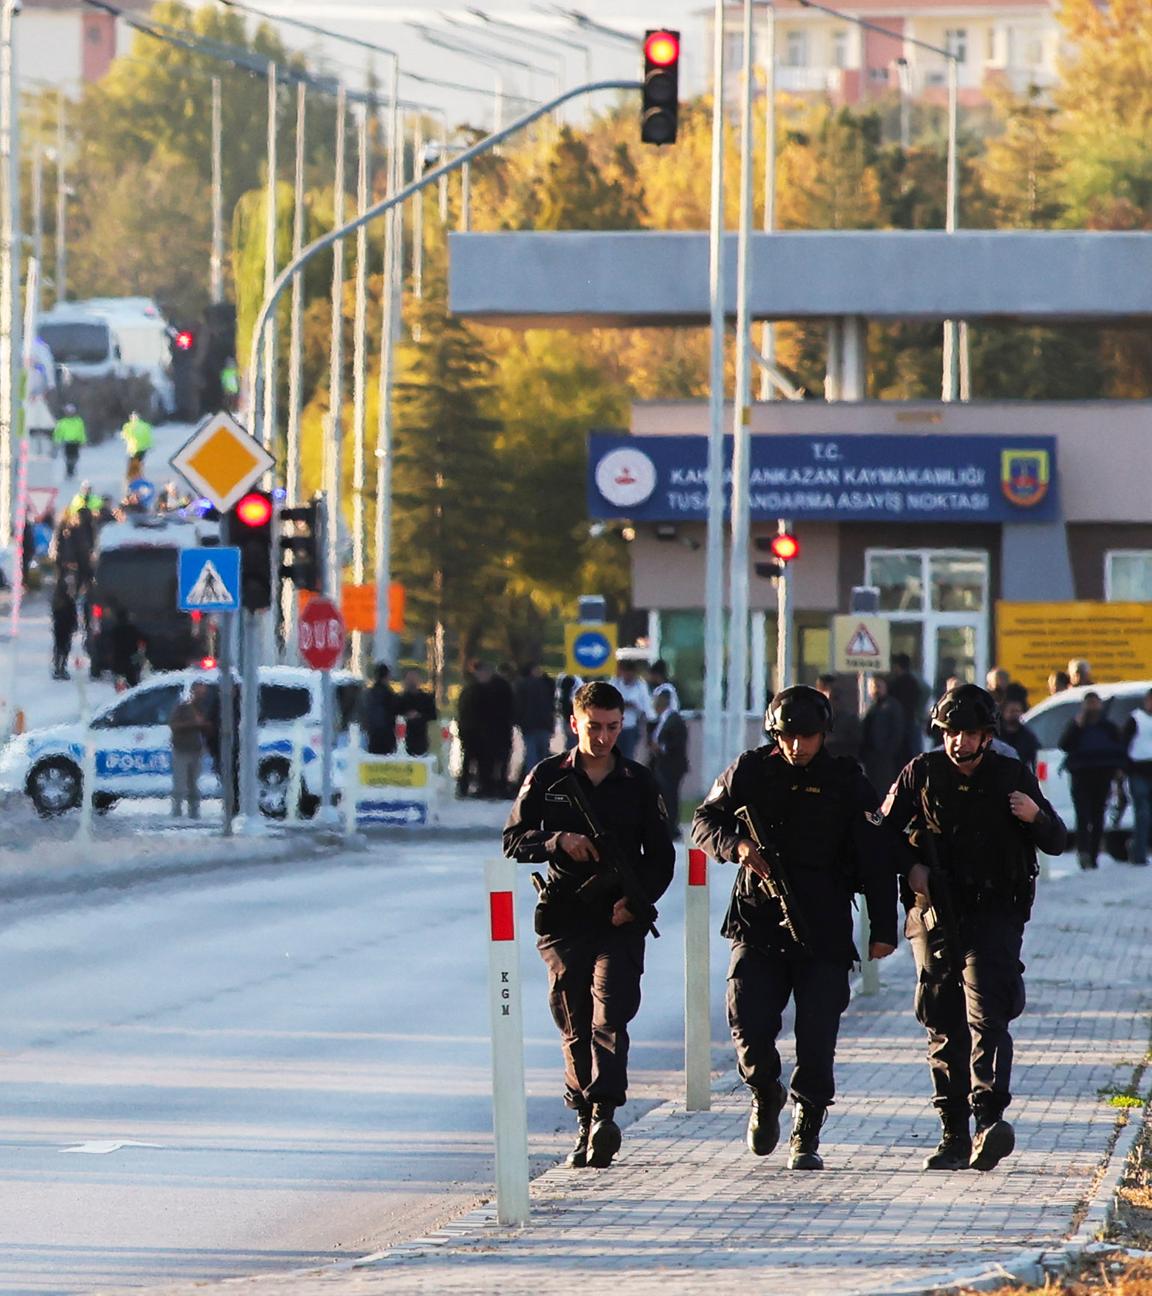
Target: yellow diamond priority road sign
[222, 461]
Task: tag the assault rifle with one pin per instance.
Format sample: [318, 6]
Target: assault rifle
[940, 923]
[776, 884]
[615, 869]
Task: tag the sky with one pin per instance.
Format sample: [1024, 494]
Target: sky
[561, 49]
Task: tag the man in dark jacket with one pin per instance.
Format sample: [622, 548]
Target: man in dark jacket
[417, 706]
[1095, 758]
[1017, 734]
[591, 925]
[533, 695]
[668, 753]
[475, 724]
[968, 822]
[64, 623]
[378, 707]
[821, 842]
[884, 742]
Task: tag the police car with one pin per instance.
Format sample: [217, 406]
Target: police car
[133, 749]
[1049, 718]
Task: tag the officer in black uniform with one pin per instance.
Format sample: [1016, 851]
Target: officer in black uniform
[820, 821]
[593, 943]
[973, 819]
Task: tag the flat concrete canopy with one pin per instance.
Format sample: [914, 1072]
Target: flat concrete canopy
[647, 277]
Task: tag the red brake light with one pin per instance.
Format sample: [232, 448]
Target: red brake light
[184, 340]
[207, 663]
[97, 611]
[254, 510]
[196, 615]
[662, 48]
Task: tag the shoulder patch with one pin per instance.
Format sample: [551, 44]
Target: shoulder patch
[874, 817]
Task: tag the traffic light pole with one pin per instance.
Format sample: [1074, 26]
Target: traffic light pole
[258, 397]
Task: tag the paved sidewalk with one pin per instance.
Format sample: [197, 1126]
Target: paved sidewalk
[686, 1209]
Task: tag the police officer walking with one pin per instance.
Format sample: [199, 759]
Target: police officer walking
[804, 828]
[974, 818]
[597, 820]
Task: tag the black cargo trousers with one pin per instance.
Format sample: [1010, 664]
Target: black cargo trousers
[967, 1012]
[593, 993]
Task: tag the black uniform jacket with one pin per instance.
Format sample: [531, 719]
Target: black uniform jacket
[629, 809]
[982, 841]
[822, 820]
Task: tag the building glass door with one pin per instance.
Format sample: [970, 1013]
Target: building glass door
[937, 603]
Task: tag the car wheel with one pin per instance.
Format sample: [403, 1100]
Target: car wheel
[309, 804]
[54, 786]
[102, 802]
[273, 790]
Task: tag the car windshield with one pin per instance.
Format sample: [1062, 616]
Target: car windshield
[138, 579]
[1049, 724]
[151, 706]
[77, 343]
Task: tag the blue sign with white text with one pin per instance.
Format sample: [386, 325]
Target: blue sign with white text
[210, 579]
[833, 478]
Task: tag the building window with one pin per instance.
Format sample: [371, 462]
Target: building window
[1128, 576]
[840, 48]
[796, 49]
[956, 43]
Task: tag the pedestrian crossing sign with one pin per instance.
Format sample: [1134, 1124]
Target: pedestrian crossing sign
[210, 579]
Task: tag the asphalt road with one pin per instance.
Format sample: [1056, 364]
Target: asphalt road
[295, 1057]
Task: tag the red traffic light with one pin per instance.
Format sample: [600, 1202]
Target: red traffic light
[184, 340]
[662, 48]
[785, 546]
[254, 510]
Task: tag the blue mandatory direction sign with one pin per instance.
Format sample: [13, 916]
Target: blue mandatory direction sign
[591, 649]
[209, 580]
[143, 489]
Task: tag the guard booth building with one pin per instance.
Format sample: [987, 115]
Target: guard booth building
[947, 508]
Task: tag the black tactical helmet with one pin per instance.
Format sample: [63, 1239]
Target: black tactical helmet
[798, 710]
[965, 707]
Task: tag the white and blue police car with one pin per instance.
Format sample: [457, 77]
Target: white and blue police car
[133, 750]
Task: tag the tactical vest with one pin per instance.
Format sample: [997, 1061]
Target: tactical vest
[985, 849]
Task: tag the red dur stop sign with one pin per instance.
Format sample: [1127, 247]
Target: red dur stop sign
[320, 634]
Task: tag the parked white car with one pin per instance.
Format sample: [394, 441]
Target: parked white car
[133, 749]
[1048, 719]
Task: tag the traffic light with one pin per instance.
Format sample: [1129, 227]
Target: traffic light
[184, 349]
[302, 546]
[661, 94]
[783, 547]
[248, 526]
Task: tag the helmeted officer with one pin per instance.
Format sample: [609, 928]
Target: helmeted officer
[974, 819]
[822, 833]
[591, 923]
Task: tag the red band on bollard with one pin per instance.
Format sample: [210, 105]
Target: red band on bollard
[503, 915]
[697, 868]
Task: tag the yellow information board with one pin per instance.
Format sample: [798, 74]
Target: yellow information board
[1034, 639]
[393, 773]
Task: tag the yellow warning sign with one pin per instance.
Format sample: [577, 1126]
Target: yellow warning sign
[393, 773]
[1035, 639]
[222, 461]
[863, 643]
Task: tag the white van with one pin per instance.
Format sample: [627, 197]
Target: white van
[1048, 719]
[133, 747]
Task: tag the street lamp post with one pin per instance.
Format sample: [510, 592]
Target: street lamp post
[10, 260]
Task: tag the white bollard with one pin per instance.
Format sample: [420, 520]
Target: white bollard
[869, 969]
[295, 773]
[509, 1102]
[351, 780]
[697, 989]
[88, 761]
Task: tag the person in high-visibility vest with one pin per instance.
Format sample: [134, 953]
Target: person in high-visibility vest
[137, 434]
[70, 433]
[230, 383]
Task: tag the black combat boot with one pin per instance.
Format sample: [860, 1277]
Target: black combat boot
[993, 1141]
[954, 1150]
[764, 1119]
[577, 1159]
[604, 1136]
[805, 1140]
